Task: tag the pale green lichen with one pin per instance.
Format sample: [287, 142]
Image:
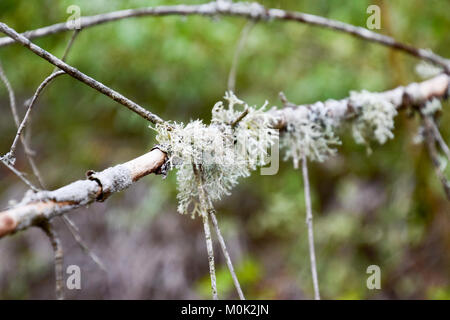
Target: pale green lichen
[427, 70]
[221, 152]
[374, 117]
[309, 133]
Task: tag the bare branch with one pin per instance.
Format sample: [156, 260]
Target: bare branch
[68, 47]
[439, 139]
[242, 9]
[430, 143]
[309, 223]
[18, 174]
[28, 152]
[12, 98]
[52, 235]
[75, 73]
[33, 208]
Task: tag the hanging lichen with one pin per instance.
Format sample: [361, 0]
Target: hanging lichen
[234, 144]
[310, 133]
[374, 118]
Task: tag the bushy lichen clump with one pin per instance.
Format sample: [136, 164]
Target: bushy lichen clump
[309, 133]
[374, 117]
[237, 141]
[219, 153]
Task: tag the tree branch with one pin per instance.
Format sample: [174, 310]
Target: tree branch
[84, 192]
[242, 9]
[75, 73]
[414, 94]
[44, 205]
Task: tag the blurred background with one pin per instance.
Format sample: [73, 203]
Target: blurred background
[386, 209]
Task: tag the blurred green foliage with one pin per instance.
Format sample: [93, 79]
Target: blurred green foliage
[386, 209]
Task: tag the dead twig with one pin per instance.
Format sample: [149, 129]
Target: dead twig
[52, 235]
[430, 142]
[225, 253]
[309, 223]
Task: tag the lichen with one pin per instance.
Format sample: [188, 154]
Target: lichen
[310, 133]
[221, 152]
[427, 70]
[374, 119]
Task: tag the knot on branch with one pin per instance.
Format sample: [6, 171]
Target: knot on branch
[111, 180]
[166, 166]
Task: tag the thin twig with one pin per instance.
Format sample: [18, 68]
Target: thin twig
[241, 116]
[30, 107]
[20, 175]
[12, 98]
[75, 73]
[209, 248]
[439, 139]
[309, 223]
[49, 230]
[252, 11]
[28, 151]
[430, 143]
[226, 254]
[242, 40]
[68, 47]
[286, 103]
[209, 245]
[75, 231]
